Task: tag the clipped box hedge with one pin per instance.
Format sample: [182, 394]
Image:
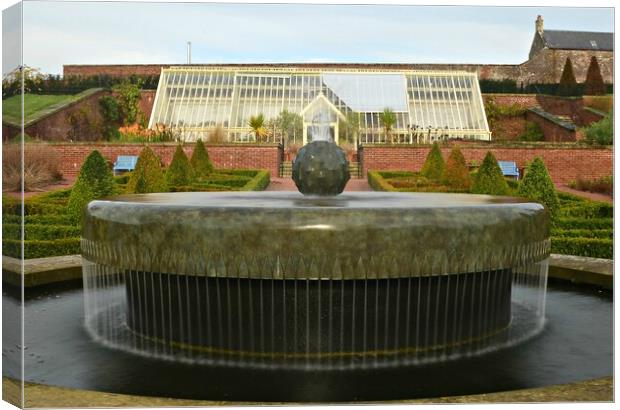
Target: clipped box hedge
[584, 223]
[377, 181]
[583, 233]
[259, 182]
[590, 247]
[41, 232]
[587, 209]
[41, 248]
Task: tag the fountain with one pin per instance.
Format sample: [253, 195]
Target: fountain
[292, 281]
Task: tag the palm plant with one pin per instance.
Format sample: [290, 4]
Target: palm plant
[388, 119]
[351, 127]
[257, 123]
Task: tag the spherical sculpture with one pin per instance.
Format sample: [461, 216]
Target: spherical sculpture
[321, 168]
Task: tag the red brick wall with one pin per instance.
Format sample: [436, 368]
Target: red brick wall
[587, 117]
[522, 100]
[508, 128]
[266, 156]
[112, 70]
[484, 71]
[553, 132]
[147, 99]
[564, 164]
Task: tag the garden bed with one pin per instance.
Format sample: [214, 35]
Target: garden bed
[582, 227]
[49, 231]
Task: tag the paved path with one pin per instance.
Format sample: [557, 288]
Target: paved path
[589, 195]
[287, 184]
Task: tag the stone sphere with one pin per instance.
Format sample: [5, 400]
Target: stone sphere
[321, 168]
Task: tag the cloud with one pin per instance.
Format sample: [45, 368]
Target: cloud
[57, 33]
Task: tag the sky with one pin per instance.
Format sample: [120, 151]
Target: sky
[57, 33]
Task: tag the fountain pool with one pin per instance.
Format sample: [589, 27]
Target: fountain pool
[282, 280]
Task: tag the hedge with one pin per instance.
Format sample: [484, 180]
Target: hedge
[235, 180]
[583, 233]
[259, 183]
[239, 172]
[588, 210]
[584, 223]
[42, 232]
[38, 219]
[200, 188]
[377, 181]
[590, 247]
[41, 248]
[34, 207]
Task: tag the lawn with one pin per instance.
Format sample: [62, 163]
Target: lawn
[35, 105]
[49, 231]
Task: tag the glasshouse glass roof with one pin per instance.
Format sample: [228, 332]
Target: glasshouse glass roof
[429, 104]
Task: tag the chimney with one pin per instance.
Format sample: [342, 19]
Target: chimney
[540, 25]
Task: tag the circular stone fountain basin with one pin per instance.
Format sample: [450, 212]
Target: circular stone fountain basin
[286, 280]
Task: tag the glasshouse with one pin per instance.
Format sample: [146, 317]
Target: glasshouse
[287, 105]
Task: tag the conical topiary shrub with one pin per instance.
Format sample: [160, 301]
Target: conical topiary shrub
[594, 84]
[456, 173]
[180, 172]
[537, 186]
[568, 83]
[148, 175]
[94, 181]
[200, 161]
[434, 165]
[489, 179]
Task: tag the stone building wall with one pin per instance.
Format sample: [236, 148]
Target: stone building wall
[547, 65]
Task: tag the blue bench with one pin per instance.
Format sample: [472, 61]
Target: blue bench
[124, 163]
[509, 168]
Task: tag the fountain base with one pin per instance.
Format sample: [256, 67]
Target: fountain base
[284, 280]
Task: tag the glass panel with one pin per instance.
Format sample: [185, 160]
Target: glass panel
[369, 92]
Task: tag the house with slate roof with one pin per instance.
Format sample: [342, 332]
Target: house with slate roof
[551, 48]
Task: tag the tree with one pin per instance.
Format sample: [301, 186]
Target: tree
[108, 107]
[489, 179]
[388, 120]
[594, 84]
[568, 83]
[128, 97]
[289, 124]
[148, 175]
[456, 173]
[94, 181]
[200, 161]
[257, 123]
[601, 132]
[537, 186]
[180, 172]
[434, 165]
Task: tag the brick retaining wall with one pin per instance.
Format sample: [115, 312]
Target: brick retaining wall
[265, 156]
[553, 131]
[522, 100]
[564, 164]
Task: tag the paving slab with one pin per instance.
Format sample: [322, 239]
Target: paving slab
[40, 395]
[41, 271]
[582, 270]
